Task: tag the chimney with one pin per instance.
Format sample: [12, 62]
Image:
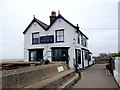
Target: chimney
[53, 16]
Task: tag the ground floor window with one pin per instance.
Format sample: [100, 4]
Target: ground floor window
[59, 54]
[35, 54]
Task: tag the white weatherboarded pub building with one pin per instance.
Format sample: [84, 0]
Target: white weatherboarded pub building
[59, 41]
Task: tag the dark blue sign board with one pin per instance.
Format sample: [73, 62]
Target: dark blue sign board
[47, 39]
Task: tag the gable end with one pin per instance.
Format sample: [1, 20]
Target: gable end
[43, 25]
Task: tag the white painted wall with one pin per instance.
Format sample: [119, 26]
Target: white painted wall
[117, 70]
[28, 39]
[92, 60]
[69, 34]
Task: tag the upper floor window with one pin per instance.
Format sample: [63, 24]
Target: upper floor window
[83, 41]
[78, 40]
[59, 35]
[35, 38]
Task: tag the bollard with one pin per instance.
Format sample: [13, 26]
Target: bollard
[79, 72]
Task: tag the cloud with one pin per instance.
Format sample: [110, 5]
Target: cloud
[95, 18]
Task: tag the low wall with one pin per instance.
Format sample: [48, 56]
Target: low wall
[22, 77]
[116, 71]
[100, 60]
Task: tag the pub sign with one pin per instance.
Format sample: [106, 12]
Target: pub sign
[47, 39]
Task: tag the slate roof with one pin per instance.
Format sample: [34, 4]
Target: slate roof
[46, 27]
[58, 17]
[43, 25]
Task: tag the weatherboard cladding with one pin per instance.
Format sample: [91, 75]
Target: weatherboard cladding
[46, 27]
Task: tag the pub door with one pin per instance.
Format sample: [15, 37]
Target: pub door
[35, 54]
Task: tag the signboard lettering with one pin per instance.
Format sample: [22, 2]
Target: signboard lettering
[47, 39]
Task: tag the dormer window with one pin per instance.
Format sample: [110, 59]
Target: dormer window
[35, 38]
[59, 35]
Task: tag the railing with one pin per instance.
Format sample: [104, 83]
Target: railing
[44, 57]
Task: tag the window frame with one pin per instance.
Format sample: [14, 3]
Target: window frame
[89, 59]
[58, 54]
[59, 35]
[86, 55]
[82, 40]
[78, 40]
[35, 38]
[78, 56]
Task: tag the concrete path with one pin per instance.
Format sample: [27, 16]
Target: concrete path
[96, 77]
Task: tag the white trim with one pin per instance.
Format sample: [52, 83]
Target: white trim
[59, 46]
[35, 48]
[59, 29]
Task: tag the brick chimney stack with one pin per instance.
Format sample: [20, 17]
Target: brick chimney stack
[53, 16]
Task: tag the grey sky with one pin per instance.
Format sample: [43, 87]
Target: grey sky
[98, 19]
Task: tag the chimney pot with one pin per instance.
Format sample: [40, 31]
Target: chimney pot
[53, 16]
[53, 13]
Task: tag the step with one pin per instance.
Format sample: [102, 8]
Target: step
[70, 82]
[23, 77]
[54, 81]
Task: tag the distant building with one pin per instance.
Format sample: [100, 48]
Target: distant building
[59, 41]
[103, 55]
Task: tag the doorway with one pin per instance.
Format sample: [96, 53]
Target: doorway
[82, 59]
[78, 56]
[35, 54]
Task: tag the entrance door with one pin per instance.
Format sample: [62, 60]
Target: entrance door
[78, 56]
[82, 60]
[39, 55]
[64, 55]
[35, 54]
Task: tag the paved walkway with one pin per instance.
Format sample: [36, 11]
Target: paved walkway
[96, 77]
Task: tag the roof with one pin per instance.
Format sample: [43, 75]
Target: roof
[43, 25]
[90, 52]
[83, 34]
[46, 27]
[58, 17]
[87, 50]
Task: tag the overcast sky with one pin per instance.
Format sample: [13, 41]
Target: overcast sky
[98, 19]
